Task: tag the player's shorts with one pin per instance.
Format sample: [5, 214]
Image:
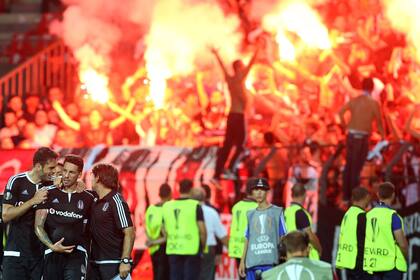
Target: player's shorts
[60, 266]
[105, 271]
[22, 268]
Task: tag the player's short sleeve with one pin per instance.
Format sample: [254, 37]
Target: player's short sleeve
[44, 205]
[396, 222]
[121, 212]
[249, 216]
[247, 232]
[47, 203]
[199, 213]
[282, 225]
[302, 220]
[219, 229]
[11, 192]
[89, 199]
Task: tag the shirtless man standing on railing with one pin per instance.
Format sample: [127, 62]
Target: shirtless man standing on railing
[364, 111]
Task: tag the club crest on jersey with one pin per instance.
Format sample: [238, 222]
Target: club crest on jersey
[105, 207]
[80, 205]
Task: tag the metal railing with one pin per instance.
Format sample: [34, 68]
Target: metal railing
[51, 67]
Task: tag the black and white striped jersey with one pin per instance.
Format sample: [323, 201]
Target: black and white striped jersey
[21, 240]
[110, 215]
[68, 215]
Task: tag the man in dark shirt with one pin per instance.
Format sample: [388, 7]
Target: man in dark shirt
[302, 219]
[111, 227]
[156, 240]
[235, 135]
[353, 229]
[362, 203]
[23, 251]
[61, 225]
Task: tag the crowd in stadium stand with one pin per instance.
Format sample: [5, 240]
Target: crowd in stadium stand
[307, 93]
[293, 104]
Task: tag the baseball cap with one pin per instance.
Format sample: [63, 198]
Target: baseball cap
[257, 183]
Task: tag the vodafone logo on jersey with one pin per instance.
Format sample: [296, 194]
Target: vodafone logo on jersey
[67, 214]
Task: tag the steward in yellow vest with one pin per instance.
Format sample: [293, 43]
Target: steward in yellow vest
[239, 224]
[351, 244]
[156, 239]
[185, 233]
[386, 247]
[297, 218]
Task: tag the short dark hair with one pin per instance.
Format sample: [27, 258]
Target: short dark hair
[386, 190]
[248, 188]
[76, 160]
[198, 194]
[9, 111]
[368, 84]
[207, 190]
[165, 190]
[185, 186]
[107, 175]
[296, 241]
[359, 193]
[298, 190]
[44, 155]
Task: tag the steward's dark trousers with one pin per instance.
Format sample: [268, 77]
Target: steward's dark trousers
[185, 267]
[388, 275]
[358, 274]
[160, 263]
[208, 264]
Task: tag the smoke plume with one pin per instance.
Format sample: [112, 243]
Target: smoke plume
[181, 33]
[403, 15]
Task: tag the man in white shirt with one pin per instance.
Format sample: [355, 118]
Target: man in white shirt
[214, 229]
[45, 132]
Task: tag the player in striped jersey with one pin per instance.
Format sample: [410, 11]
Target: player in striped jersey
[23, 252]
[111, 227]
[61, 224]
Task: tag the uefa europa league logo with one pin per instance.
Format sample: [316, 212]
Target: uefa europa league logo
[262, 223]
[375, 229]
[176, 213]
[238, 217]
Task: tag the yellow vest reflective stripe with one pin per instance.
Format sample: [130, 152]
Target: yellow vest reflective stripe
[153, 223]
[347, 244]
[180, 219]
[238, 227]
[382, 252]
[290, 218]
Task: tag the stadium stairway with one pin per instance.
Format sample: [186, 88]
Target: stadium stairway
[20, 33]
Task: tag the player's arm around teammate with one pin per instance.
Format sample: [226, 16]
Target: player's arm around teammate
[23, 253]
